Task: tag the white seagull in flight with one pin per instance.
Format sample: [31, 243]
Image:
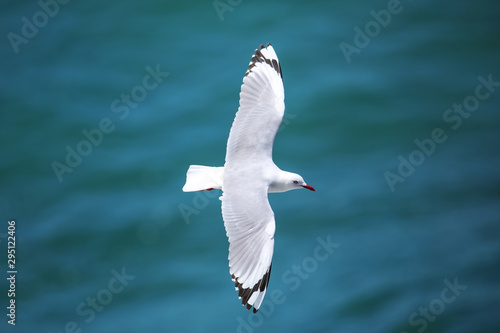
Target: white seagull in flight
[248, 175]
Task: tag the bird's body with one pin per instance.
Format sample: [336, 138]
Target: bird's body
[248, 175]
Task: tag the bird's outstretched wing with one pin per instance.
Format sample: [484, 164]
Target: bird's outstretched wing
[248, 217]
[250, 226]
[261, 109]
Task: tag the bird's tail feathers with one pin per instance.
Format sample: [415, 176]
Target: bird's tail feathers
[203, 178]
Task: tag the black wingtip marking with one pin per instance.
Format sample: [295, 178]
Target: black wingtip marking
[266, 277]
[246, 293]
[258, 54]
[259, 57]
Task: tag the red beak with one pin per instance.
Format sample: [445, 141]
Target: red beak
[309, 187]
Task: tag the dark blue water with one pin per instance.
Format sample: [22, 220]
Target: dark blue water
[392, 115]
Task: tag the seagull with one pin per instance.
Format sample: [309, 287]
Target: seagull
[248, 174]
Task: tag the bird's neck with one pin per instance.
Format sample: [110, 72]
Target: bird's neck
[280, 183]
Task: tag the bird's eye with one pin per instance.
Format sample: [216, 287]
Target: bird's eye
[295, 181]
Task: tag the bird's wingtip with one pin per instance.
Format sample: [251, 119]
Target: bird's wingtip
[265, 55]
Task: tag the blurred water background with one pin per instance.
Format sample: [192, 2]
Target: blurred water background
[108, 242]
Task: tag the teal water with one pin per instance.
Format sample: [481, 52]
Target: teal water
[114, 245]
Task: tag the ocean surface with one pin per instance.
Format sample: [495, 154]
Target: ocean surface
[392, 114]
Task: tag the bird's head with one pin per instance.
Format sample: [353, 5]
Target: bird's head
[298, 182]
[289, 181]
